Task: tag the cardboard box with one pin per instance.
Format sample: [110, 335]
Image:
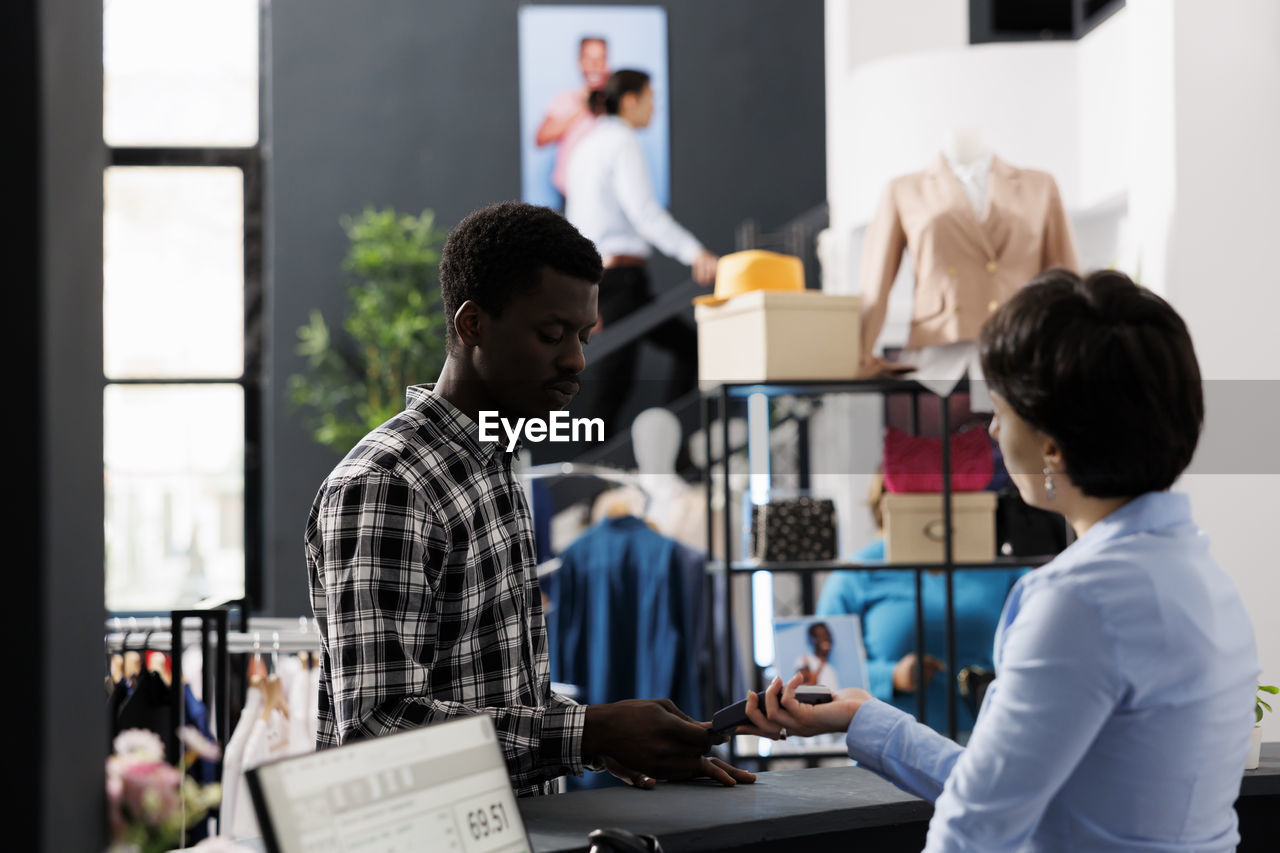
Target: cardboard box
[913, 527]
[768, 336]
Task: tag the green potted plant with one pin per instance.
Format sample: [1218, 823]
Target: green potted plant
[1260, 707]
[395, 329]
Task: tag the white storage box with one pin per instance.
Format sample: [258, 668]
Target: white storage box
[767, 336]
[913, 528]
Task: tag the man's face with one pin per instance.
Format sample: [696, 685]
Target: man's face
[594, 61]
[532, 353]
[821, 638]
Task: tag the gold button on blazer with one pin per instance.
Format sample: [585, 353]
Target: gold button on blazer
[962, 261]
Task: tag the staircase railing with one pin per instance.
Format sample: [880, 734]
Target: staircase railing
[796, 237]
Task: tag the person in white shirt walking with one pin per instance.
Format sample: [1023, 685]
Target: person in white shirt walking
[610, 199]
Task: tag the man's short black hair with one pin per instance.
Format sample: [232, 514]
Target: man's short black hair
[813, 629]
[625, 82]
[1107, 370]
[501, 249]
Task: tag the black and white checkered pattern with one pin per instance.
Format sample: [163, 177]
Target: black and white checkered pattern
[420, 558]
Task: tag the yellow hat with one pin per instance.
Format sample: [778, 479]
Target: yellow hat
[754, 269]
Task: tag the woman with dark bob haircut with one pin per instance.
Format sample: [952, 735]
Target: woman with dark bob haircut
[1126, 667]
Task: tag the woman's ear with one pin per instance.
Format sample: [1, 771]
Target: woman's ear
[1052, 455]
[469, 323]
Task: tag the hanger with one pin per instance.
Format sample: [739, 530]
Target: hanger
[132, 658]
[273, 698]
[257, 667]
[146, 654]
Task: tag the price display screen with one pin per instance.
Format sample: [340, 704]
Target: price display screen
[443, 787]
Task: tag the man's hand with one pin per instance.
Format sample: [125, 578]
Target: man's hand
[904, 672]
[704, 267]
[782, 710]
[651, 739]
[712, 768]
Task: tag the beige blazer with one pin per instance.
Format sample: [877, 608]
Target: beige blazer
[965, 267]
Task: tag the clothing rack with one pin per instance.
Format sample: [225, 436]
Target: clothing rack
[599, 472]
[575, 469]
[217, 645]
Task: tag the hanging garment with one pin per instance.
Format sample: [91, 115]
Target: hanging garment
[197, 716]
[622, 621]
[233, 763]
[202, 770]
[149, 706]
[302, 736]
[630, 621]
[270, 732]
[119, 693]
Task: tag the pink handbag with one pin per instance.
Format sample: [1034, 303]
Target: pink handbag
[914, 464]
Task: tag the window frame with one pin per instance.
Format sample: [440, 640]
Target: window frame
[251, 161]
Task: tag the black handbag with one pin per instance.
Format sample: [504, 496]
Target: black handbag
[974, 681]
[794, 530]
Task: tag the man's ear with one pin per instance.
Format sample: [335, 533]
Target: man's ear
[470, 323]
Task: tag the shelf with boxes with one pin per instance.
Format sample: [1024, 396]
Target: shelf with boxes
[941, 514]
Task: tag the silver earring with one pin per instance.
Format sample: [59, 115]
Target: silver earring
[1049, 491]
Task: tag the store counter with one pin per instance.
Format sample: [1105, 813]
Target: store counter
[820, 808]
[781, 809]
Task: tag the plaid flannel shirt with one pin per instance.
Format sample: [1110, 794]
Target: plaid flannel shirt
[420, 560]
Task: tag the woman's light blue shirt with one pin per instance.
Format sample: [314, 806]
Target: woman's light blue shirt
[885, 600]
[1121, 713]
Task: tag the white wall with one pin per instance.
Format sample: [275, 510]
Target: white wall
[1162, 127]
[1222, 277]
[862, 31]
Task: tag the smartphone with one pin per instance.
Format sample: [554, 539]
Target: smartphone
[732, 716]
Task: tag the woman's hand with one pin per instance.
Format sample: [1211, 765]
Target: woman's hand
[781, 710]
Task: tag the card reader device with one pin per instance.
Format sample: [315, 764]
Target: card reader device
[735, 715]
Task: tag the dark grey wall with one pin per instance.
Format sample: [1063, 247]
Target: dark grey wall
[52, 188]
[414, 103]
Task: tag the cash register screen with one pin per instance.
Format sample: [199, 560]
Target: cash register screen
[443, 787]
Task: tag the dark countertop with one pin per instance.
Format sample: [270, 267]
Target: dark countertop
[781, 806]
[785, 804]
[1265, 781]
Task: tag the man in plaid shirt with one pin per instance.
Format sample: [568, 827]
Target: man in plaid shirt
[419, 546]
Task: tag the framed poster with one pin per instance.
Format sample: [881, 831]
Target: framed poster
[566, 54]
[827, 649]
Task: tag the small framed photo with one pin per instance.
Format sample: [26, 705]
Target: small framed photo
[828, 650]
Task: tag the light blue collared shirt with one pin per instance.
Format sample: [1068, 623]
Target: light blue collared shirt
[1121, 713]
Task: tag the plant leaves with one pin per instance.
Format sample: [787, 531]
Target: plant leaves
[1269, 688]
[393, 333]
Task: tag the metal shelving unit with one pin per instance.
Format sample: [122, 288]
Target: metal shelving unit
[718, 403]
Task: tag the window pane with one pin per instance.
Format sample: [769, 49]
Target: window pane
[174, 481]
[180, 72]
[173, 274]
